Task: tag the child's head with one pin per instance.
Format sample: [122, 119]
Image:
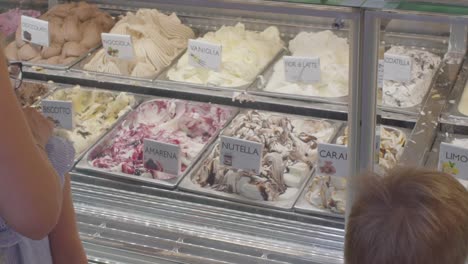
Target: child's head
[411, 216]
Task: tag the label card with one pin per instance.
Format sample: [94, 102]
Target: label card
[118, 46]
[161, 157]
[241, 154]
[333, 160]
[302, 69]
[397, 68]
[203, 54]
[61, 112]
[35, 31]
[380, 74]
[453, 160]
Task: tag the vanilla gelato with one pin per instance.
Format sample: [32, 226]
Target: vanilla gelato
[95, 112]
[74, 29]
[411, 93]
[157, 40]
[333, 52]
[244, 54]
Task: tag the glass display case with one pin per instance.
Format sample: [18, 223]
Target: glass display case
[215, 81]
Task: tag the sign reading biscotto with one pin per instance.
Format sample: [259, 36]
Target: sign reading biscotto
[118, 46]
[241, 154]
[332, 160]
[302, 69]
[454, 160]
[397, 68]
[163, 157]
[35, 31]
[202, 54]
[61, 112]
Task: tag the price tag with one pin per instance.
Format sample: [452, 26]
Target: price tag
[161, 157]
[241, 154]
[203, 54]
[397, 68]
[302, 69]
[333, 160]
[35, 31]
[453, 160]
[61, 112]
[118, 46]
[380, 75]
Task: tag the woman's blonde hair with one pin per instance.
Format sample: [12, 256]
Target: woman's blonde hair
[411, 216]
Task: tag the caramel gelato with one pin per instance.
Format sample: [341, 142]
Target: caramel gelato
[74, 29]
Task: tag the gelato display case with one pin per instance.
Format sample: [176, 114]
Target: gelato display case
[215, 131]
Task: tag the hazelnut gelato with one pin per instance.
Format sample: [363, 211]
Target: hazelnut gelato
[74, 29]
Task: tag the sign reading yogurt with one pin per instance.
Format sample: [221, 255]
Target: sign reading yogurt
[118, 46]
[397, 68]
[302, 69]
[163, 157]
[333, 160]
[241, 154]
[35, 31]
[202, 54]
[61, 112]
[453, 160]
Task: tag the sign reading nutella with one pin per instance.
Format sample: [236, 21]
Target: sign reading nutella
[332, 160]
[202, 54]
[163, 157]
[118, 46]
[61, 112]
[35, 31]
[454, 160]
[302, 69]
[241, 154]
[397, 68]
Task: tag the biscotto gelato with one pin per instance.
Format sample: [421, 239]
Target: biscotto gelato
[289, 153]
[95, 112]
[29, 93]
[74, 28]
[244, 54]
[333, 52]
[10, 20]
[329, 192]
[411, 93]
[157, 40]
[187, 124]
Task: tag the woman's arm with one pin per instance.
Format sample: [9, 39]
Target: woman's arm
[64, 240]
[30, 192]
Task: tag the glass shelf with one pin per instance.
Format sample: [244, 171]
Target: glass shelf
[450, 7]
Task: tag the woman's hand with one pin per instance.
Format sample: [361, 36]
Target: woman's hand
[41, 127]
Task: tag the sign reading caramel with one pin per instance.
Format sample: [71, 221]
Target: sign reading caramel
[118, 46]
[332, 160]
[202, 54]
[61, 112]
[163, 157]
[241, 154]
[35, 31]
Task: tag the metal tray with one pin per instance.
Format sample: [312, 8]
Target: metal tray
[303, 206]
[79, 155]
[85, 163]
[205, 25]
[188, 185]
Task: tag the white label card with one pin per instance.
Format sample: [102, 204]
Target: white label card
[241, 154]
[302, 69]
[203, 54]
[333, 160]
[161, 157]
[35, 31]
[397, 68]
[380, 75]
[61, 112]
[453, 160]
[118, 46]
